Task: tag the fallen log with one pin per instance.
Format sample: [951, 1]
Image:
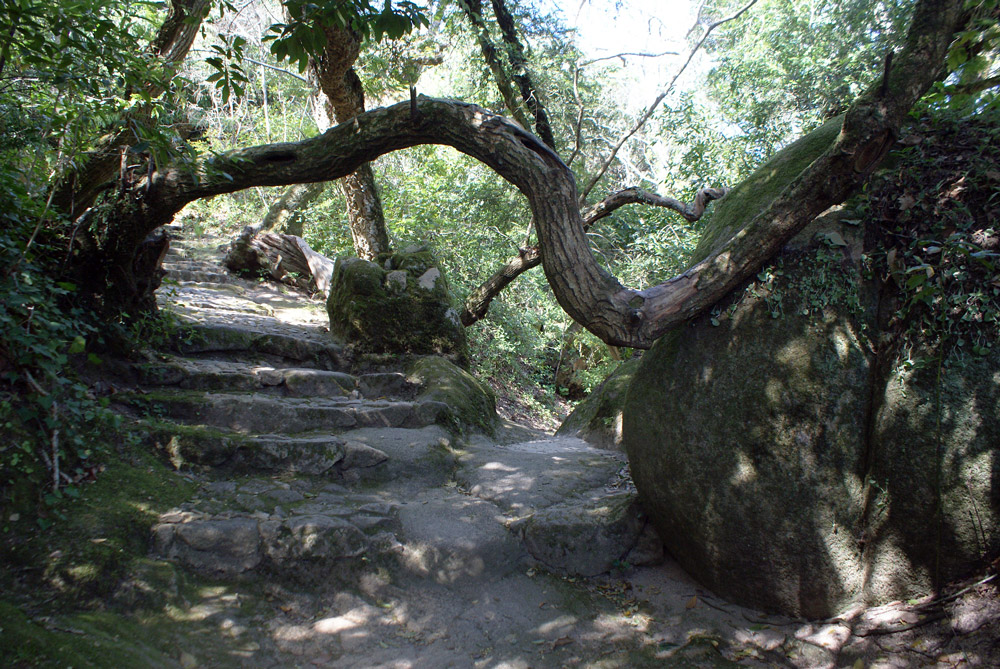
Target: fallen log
[285, 258]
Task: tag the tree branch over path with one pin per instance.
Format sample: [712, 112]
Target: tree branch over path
[478, 301]
[618, 315]
[656, 103]
[78, 187]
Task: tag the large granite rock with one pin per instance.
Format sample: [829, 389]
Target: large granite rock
[787, 458]
[598, 418]
[460, 400]
[935, 470]
[399, 306]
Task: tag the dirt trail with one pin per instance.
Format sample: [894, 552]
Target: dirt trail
[338, 524]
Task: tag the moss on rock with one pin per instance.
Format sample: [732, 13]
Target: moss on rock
[754, 195]
[598, 418]
[470, 403]
[793, 461]
[400, 306]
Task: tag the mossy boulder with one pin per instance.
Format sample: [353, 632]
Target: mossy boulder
[746, 441]
[752, 196]
[787, 456]
[466, 403]
[400, 305]
[598, 418]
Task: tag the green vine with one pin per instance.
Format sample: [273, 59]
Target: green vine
[939, 245]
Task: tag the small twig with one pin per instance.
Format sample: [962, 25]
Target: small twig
[704, 600]
[622, 55]
[273, 67]
[55, 447]
[956, 595]
[659, 98]
[771, 623]
[34, 384]
[878, 631]
[414, 112]
[578, 134]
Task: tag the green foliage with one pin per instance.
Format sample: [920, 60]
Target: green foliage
[69, 70]
[53, 430]
[108, 526]
[972, 62]
[304, 34]
[803, 60]
[940, 245]
[229, 77]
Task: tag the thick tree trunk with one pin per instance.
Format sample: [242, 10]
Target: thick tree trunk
[77, 188]
[342, 98]
[281, 216]
[618, 315]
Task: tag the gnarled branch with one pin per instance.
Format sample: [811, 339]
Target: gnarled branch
[618, 315]
[478, 301]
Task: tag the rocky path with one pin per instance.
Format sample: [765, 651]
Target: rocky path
[342, 521]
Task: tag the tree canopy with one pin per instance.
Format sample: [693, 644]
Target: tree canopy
[118, 114]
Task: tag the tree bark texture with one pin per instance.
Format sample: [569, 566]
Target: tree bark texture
[519, 69]
[478, 301]
[474, 10]
[77, 189]
[289, 259]
[342, 98]
[618, 315]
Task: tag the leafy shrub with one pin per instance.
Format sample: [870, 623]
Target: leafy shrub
[52, 429]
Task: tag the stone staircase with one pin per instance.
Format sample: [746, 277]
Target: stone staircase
[348, 514]
[316, 463]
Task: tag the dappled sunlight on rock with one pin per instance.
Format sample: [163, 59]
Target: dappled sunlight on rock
[556, 626]
[419, 546]
[830, 637]
[745, 472]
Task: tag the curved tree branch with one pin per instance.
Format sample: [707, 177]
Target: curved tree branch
[478, 301]
[618, 315]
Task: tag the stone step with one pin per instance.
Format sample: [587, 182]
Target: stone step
[259, 413]
[240, 527]
[171, 262]
[250, 334]
[208, 374]
[193, 249]
[327, 455]
[236, 527]
[568, 502]
[200, 276]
